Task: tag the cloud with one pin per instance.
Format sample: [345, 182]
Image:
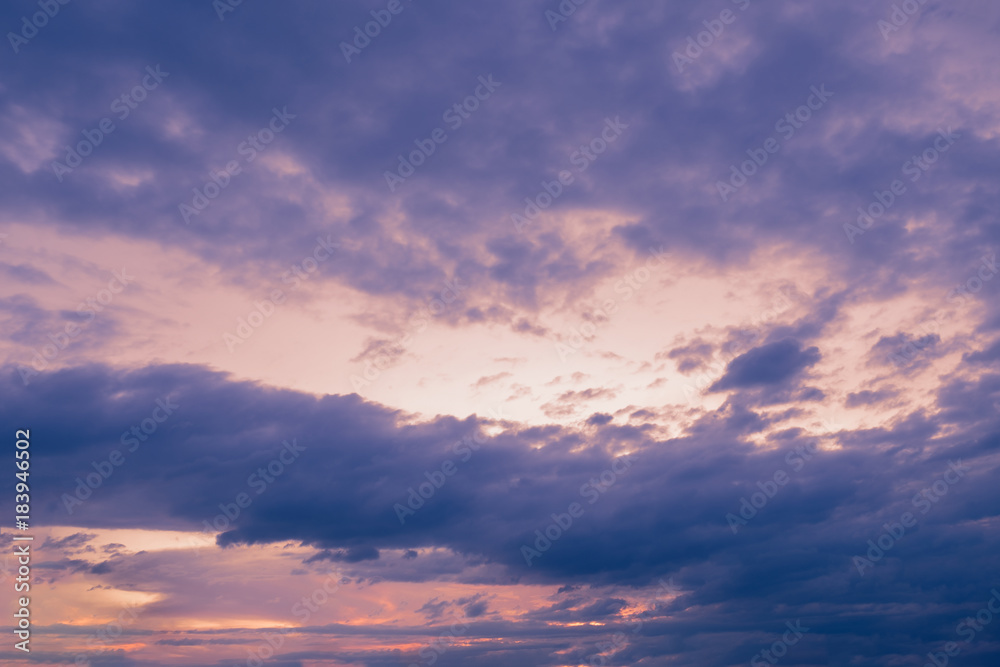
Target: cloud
[70, 543]
[665, 516]
[450, 223]
[352, 555]
[869, 397]
[768, 365]
[692, 356]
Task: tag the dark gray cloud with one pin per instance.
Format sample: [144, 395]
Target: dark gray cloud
[869, 397]
[665, 516]
[353, 120]
[768, 365]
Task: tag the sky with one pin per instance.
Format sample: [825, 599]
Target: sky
[549, 333]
